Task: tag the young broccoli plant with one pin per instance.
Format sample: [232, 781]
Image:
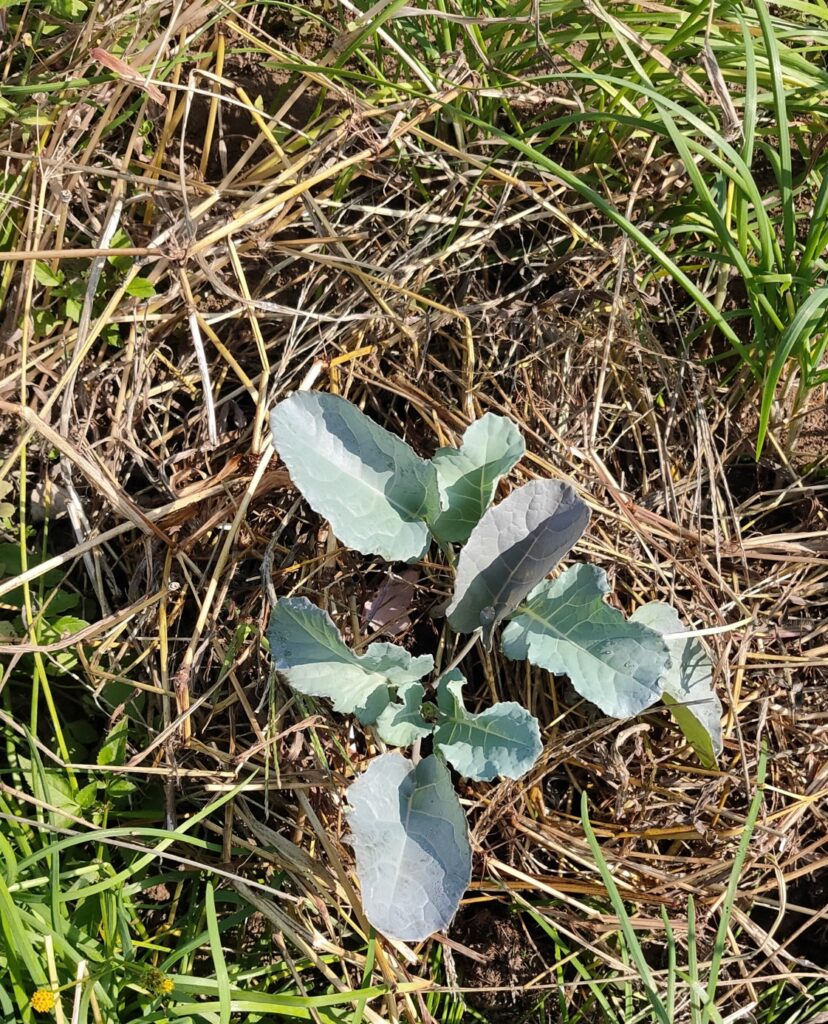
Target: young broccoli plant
[409, 833]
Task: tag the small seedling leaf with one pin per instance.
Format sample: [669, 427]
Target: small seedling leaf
[7, 509]
[688, 682]
[566, 627]
[113, 750]
[504, 740]
[53, 788]
[370, 485]
[46, 276]
[306, 646]
[53, 630]
[411, 844]
[468, 476]
[513, 547]
[70, 10]
[402, 722]
[140, 288]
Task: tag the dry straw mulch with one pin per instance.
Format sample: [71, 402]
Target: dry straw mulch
[343, 254]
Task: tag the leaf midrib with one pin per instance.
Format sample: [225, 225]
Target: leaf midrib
[558, 635]
[416, 462]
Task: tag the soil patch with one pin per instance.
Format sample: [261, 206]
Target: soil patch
[511, 960]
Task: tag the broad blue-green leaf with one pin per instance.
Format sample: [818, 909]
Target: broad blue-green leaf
[376, 493]
[503, 740]
[468, 476]
[566, 627]
[402, 722]
[513, 547]
[411, 843]
[688, 682]
[306, 646]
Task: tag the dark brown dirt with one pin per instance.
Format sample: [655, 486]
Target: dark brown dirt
[510, 963]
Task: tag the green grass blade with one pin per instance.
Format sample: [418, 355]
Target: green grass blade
[733, 884]
[693, 963]
[576, 182]
[797, 333]
[644, 972]
[818, 230]
[671, 964]
[783, 128]
[219, 963]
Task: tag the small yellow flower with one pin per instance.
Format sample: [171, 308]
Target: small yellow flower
[43, 1001]
[158, 983]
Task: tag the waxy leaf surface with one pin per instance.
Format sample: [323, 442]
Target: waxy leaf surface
[402, 722]
[306, 646]
[566, 627]
[368, 483]
[504, 740]
[467, 476]
[688, 682]
[411, 845]
[513, 547]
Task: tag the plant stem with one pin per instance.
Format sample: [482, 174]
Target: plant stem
[463, 651]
